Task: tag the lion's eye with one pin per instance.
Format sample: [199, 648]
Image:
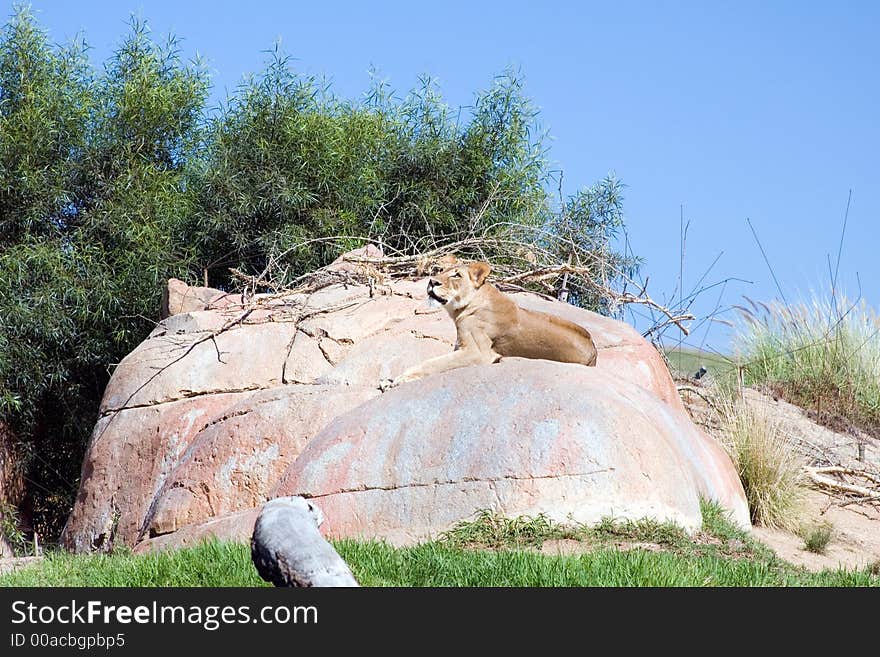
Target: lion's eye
[455, 275]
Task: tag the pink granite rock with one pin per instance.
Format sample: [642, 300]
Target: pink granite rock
[150, 470]
[205, 417]
[178, 297]
[521, 437]
[167, 367]
[236, 527]
[234, 462]
[130, 455]
[368, 251]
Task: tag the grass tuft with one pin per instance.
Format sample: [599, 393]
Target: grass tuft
[645, 530]
[493, 531]
[816, 537]
[767, 464]
[10, 528]
[732, 541]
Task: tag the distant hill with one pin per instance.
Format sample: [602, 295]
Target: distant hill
[686, 362]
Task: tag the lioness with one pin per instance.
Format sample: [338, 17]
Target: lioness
[490, 326]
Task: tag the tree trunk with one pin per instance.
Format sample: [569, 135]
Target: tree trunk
[288, 550]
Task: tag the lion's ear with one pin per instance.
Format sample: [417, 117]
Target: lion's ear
[478, 272]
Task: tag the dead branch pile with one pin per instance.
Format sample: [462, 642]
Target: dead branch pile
[855, 486]
[518, 264]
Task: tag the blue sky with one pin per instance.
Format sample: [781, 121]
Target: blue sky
[765, 110]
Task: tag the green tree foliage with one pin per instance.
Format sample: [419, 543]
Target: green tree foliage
[45, 105]
[287, 162]
[93, 183]
[586, 230]
[113, 180]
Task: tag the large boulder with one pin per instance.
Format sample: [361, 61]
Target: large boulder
[522, 437]
[231, 463]
[238, 400]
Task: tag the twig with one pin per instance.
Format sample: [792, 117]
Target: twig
[841, 470]
[839, 251]
[769, 266]
[554, 271]
[700, 394]
[217, 349]
[819, 478]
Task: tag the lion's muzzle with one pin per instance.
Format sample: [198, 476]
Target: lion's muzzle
[433, 295]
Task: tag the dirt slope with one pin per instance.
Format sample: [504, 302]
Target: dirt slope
[855, 540]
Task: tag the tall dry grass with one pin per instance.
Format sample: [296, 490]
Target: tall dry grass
[823, 355]
[767, 464]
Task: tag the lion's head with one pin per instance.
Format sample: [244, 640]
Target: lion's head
[456, 287]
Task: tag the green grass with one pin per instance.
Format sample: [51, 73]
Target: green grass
[212, 563]
[821, 356]
[495, 532]
[434, 564]
[721, 555]
[719, 537]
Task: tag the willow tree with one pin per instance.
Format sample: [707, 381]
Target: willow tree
[92, 183]
[289, 164]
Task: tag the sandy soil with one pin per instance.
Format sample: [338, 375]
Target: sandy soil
[855, 535]
[855, 539]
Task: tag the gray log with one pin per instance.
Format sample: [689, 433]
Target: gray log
[288, 550]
